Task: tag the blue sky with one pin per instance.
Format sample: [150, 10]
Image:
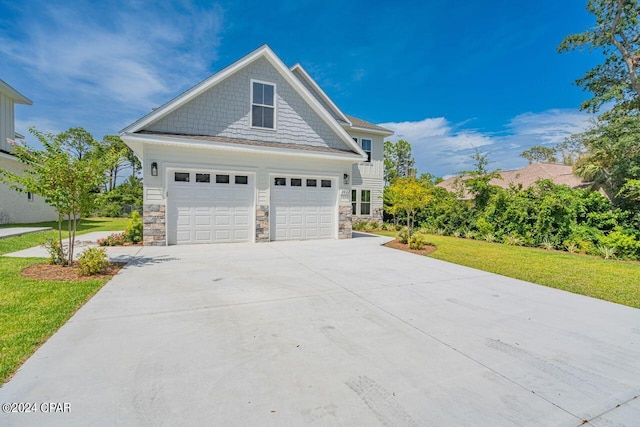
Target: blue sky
[446, 76]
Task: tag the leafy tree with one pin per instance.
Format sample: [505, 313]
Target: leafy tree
[408, 195]
[124, 159]
[66, 174]
[617, 35]
[540, 153]
[123, 199]
[612, 154]
[398, 161]
[476, 181]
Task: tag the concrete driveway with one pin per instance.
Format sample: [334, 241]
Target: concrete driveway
[331, 333]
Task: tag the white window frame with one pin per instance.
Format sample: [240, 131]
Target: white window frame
[362, 202]
[354, 202]
[274, 106]
[30, 196]
[370, 151]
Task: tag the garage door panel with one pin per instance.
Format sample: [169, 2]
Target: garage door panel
[210, 212]
[303, 212]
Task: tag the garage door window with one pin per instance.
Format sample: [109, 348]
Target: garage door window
[242, 179]
[203, 177]
[280, 181]
[222, 179]
[181, 176]
[296, 182]
[312, 183]
[326, 183]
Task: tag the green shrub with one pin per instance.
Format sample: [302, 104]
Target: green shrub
[514, 240]
[546, 244]
[93, 261]
[134, 228]
[489, 237]
[370, 225]
[115, 239]
[606, 251]
[403, 235]
[418, 241]
[57, 254]
[358, 225]
[625, 245]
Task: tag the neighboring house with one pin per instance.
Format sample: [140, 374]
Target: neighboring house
[16, 207]
[256, 152]
[525, 177]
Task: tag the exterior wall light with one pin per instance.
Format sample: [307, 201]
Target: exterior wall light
[154, 169]
[345, 178]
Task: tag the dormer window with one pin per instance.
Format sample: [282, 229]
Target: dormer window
[366, 147]
[263, 105]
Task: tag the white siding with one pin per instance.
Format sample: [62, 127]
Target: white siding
[262, 164]
[370, 176]
[7, 123]
[224, 110]
[14, 206]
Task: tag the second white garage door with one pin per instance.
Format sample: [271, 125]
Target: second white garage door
[210, 207]
[303, 208]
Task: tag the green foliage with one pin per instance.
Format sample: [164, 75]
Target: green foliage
[404, 236]
[408, 195]
[540, 153]
[606, 251]
[398, 161]
[93, 261]
[117, 202]
[67, 174]
[513, 240]
[615, 34]
[134, 228]
[56, 252]
[114, 239]
[624, 243]
[418, 241]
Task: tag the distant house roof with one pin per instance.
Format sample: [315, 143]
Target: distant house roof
[17, 97]
[526, 176]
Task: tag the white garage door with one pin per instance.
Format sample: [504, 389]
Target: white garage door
[303, 208]
[210, 207]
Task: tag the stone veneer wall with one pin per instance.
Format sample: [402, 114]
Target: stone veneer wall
[344, 222]
[154, 219]
[262, 223]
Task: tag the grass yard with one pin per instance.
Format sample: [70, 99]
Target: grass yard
[610, 280]
[32, 310]
[12, 244]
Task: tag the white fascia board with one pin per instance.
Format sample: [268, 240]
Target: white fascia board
[138, 140]
[16, 96]
[372, 131]
[320, 91]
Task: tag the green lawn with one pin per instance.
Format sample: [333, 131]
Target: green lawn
[32, 310]
[12, 244]
[611, 280]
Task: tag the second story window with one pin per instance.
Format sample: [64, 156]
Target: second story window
[263, 105]
[366, 147]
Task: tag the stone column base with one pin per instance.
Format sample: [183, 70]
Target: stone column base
[262, 223]
[154, 221]
[344, 222]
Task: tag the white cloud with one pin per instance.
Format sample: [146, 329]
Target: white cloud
[442, 148]
[119, 53]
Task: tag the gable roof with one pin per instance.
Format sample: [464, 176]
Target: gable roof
[262, 52]
[344, 119]
[318, 93]
[17, 97]
[526, 176]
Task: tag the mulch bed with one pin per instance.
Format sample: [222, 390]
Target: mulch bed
[67, 274]
[396, 244]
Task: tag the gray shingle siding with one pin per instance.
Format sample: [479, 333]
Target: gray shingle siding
[224, 110]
